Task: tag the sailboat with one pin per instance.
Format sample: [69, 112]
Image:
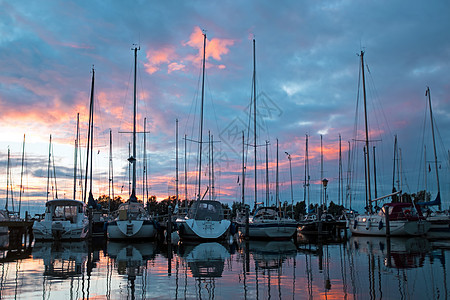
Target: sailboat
[132, 220]
[266, 222]
[440, 220]
[404, 218]
[205, 219]
[64, 219]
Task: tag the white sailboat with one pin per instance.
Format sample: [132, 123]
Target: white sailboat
[440, 220]
[205, 219]
[404, 218]
[266, 222]
[132, 220]
[64, 219]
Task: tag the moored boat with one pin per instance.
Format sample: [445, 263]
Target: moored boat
[405, 219]
[132, 220]
[64, 219]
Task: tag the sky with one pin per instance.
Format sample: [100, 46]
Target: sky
[308, 82]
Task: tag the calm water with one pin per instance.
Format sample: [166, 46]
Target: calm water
[360, 268]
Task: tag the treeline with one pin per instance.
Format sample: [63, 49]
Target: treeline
[298, 210]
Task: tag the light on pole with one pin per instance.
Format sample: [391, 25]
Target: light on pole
[292, 191]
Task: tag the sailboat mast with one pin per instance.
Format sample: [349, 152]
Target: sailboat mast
[212, 166]
[90, 140]
[243, 169]
[176, 162]
[21, 174]
[7, 182]
[395, 161]
[111, 174]
[428, 93]
[321, 170]
[369, 199]
[144, 169]
[340, 172]
[209, 165]
[425, 170]
[277, 185]
[254, 116]
[185, 171]
[201, 120]
[307, 170]
[375, 176]
[348, 193]
[76, 158]
[48, 167]
[133, 158]
[267, 174]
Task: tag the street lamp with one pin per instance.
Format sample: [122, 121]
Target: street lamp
[292, 191]
[325, 183]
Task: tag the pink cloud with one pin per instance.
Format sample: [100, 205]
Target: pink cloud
[215, 48]
[155, 58]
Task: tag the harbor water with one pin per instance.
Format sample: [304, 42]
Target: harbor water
[353, 268]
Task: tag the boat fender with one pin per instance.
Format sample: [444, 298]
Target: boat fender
[367, 224]
[355, 224]
[380, 225]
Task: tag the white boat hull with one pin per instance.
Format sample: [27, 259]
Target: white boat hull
[203, 229]
[131, 229]
[376, 226]
[269, 230]
[60, 230]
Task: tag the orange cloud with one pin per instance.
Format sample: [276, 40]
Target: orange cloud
[215, 48]
[156, 58]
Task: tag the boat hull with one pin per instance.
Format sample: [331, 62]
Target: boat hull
[270, 230]
[192, 229]
[375, 226]
[59, 230]
[131, 229]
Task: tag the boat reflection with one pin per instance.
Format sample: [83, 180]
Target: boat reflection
[205, 260]
[61, 259]
[131, 260]
[269, 274]
[270, 254]
[398, 252]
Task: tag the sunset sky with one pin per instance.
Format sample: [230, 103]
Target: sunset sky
[307, 80]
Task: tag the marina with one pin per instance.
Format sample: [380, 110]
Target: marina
[224, 150]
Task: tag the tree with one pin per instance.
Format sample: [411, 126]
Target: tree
[105, 201]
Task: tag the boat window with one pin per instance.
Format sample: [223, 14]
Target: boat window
[206, 210]
[65, 212]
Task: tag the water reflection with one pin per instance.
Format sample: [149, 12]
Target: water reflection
[205, 260]
[130, 260]
[362, 267]
[397, 252]
[268, 276]
[61, 260]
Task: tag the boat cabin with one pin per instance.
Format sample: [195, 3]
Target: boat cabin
[402, 211]
[209, 210]
[64, 210]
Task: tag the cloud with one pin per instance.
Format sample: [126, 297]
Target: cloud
[155, 58]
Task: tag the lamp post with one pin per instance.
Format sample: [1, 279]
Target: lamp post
[325, 183]
[292, 191]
